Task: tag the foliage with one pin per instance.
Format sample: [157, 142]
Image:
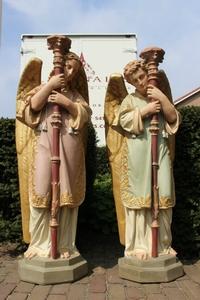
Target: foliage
[102, 161]
[98, 211]
[91, 159]
[186, 214]
[10, 221]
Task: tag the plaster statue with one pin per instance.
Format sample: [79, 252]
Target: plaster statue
[128, 120]
[34, 132]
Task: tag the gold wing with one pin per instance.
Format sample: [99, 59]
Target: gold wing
[81, 85]
[25, 137]
[116, 92]
[164, 86]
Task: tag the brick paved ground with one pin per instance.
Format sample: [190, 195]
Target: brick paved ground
[102, 282]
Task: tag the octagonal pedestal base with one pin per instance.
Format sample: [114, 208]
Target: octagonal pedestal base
[43, 271]
[164, 268]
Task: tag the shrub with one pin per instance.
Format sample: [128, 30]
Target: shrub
[98, 211]
[186, 214]
[10, 220]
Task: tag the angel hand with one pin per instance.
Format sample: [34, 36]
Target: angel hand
[56, 81]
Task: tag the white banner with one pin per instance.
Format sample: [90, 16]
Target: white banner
[101, 55]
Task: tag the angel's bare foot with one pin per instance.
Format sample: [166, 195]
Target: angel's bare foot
[29, 254]
[65, 254]
[173, 252]
[141, 255]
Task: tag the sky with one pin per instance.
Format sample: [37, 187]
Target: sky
[173, 25]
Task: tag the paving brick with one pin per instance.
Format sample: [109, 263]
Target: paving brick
[2, 278]
[39, 292]
[95, 262]
[190, 289]
[84, 280]
[184, 277]
[97, 296]
[116, 292]
[99, 270]
[60, 289]
[103, 283]
[97, 284]
[12, 278]
[18, 296]
[157, 297]
[193, 272]
[55, 297]
[6, 289]
[77, 292]
[152, 288]
[132, 283]
[10, 265]
[3, 271]
[113, 275]
[24, 287]
[133, 293]
[168, 284]
[198, 263]
[174, 293]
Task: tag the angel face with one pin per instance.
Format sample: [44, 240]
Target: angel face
[71, 68]
[140, 81]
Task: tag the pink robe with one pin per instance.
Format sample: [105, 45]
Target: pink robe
[72, 173]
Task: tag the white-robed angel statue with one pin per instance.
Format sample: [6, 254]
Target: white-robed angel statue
[127, 118]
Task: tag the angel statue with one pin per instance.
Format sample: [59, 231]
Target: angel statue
[127, 118]
[34, 149]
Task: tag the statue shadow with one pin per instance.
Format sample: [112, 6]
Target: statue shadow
[99, 249]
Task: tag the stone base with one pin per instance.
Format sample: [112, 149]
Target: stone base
[164, 268]
[43, 271]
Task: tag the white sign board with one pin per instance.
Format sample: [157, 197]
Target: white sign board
[103, 55]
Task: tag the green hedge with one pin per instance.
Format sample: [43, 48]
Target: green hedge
[10, 220]
[98, 212]
[186, 214]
